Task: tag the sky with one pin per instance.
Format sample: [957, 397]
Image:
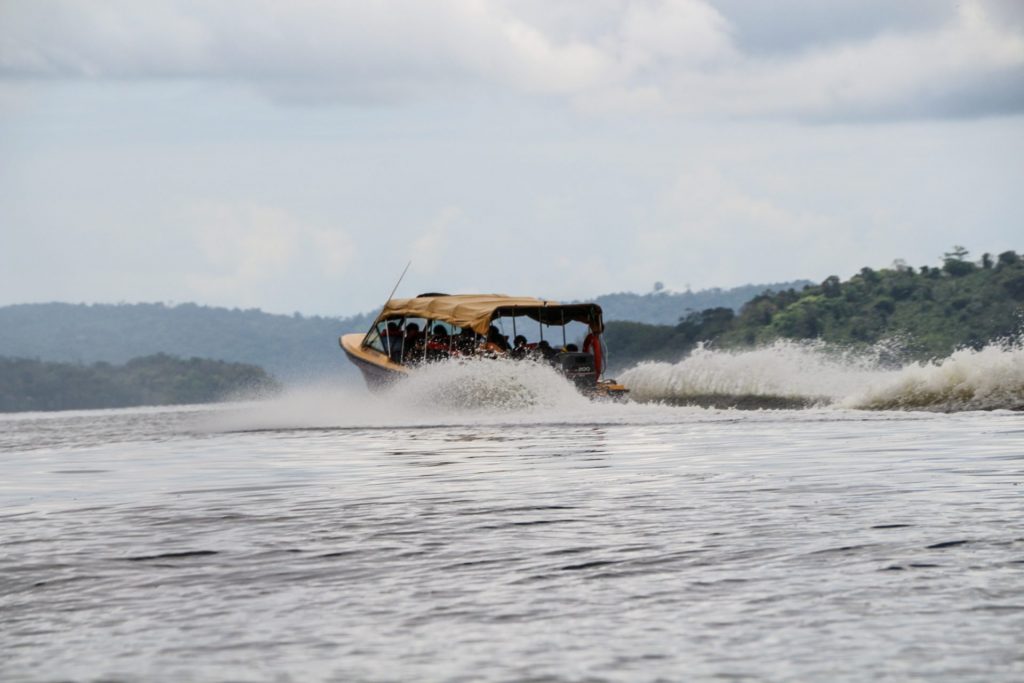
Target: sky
[294, 156]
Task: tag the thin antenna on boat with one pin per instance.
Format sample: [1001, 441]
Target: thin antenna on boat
[400, 278]
[393, 290]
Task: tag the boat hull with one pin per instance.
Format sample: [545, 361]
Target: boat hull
[378, 370]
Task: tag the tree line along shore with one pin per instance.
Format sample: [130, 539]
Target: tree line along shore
[31, 385]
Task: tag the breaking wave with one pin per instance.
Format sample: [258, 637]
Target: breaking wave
[790, 374]
[991, 378]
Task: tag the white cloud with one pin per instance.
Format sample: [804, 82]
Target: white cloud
[351, 50]
[681, 56]
[243, 247]
[247, 251]
[690, 32]
[894, 74]
[334, 249]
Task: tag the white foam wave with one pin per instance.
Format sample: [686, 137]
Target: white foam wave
[486, 385]
[815, 373]
[786, 369]
[991, 378]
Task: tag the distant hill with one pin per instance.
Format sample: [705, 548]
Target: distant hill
[154, 380]
[667, 308]
[289, 347]
[929, 311]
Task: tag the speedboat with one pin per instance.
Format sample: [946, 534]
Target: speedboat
[434, 327]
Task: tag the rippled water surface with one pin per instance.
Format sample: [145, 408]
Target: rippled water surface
[332, 538]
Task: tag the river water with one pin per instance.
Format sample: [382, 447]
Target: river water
[474, 525]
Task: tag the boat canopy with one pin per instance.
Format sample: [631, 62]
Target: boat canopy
[476, 311]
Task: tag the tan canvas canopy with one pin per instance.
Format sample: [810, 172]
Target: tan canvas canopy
[476, 311]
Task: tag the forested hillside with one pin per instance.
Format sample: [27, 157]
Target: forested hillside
[290, 347]
[929, 312]
[154, 380]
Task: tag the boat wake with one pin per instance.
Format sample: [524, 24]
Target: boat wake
[783, 375]
[476, 391]
[789, 374]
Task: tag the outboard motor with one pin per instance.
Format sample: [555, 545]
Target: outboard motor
[578, 367]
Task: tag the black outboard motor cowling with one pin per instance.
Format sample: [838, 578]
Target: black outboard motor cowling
[579, 367]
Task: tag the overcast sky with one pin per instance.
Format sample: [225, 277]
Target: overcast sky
[293, 156]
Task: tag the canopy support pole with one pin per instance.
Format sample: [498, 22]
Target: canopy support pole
[426, 338]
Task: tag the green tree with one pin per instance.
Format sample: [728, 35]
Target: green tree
[955, 264]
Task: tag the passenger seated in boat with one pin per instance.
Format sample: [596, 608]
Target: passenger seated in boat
[545, 350]
[413, 349]
[571, 348]
[465, 343]
[439, 346]
[393, 341]
[499, 341]
[520, 349]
